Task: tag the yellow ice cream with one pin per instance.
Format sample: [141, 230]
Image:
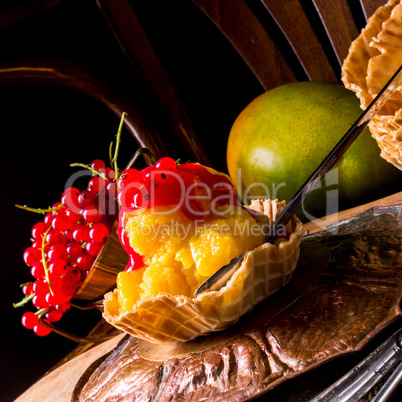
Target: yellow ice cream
[181, 253]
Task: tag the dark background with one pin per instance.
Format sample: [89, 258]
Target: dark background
[44, 128]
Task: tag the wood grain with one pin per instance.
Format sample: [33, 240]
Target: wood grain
[327, 313]
[87, 81]
[369, 6]
[319, 224]
[59, 384]
[246, 33]
[339, 25]
[303, 39]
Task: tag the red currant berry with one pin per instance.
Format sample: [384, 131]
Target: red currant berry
[93, 249]
[41, 330]
[69, 232]
[73, 214]
[99, 232]
[61, 222]
[109, 173]
[85, 262]
[140, 200]
[73, 250]
[123, 200]
[86, 198]
[72, 274]
[40, 287]
[70, 198]
[38, 230]
[55, 236]
[146, 170]
[98, 165]
[57, 298]
[54, 315]
[96, 184]
[81, 233]
[131, 199]
[128, 177]
[58, 267]
[70, 288]
[91, 214]
[38, 270]
[29, 320]
[57, 251]
[55, 281]
[64, 307]
[47, 219]
[111, 189]
[31, 256]
[84, 275]
[27, 289]
[37, 244]
[166, 163]
[148, 176]
[39, 301]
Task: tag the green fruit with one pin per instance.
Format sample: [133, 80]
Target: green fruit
[280, 138]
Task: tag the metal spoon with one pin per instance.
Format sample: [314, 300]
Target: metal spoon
[220, 277]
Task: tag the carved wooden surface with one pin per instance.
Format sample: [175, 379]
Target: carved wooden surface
[340, 309]
[293, 40]
[339, 25]
[369, 6]
[248, 35]
[300, 33]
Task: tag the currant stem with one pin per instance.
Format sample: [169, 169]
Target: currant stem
[24, 301]
[116, 149]
[110, 154]
[44, 262]
[89, 168]
[40, 210]
[41, 310]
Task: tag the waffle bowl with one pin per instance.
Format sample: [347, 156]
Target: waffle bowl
[373, 58]
[167, 318]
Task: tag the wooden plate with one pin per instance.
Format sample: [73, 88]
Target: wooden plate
[324, 312]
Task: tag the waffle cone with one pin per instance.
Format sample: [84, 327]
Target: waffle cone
[373, 58]
[167, 318]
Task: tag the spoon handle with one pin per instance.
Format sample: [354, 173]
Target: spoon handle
[333, 157]
[217, 280]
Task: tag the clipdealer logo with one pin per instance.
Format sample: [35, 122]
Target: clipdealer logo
[218, 206]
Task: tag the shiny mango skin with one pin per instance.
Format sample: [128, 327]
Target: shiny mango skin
[280, 138]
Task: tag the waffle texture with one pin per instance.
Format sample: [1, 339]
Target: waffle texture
[262, 272]
[373, 58]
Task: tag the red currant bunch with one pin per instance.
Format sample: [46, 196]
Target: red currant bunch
[65, 245]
